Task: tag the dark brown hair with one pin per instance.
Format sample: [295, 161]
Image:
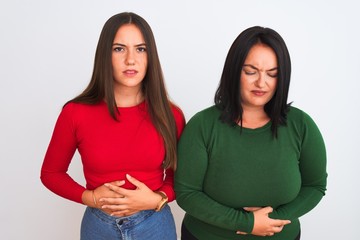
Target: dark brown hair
[101, 86]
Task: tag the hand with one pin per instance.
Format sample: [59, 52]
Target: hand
[263, 225]
[252, 209]
[91, 198]
[142, 198]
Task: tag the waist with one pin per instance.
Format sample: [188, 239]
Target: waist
[153, 180]
[138, 216]
[203, 230]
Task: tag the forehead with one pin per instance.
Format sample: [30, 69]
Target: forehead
[262, 56]
[129, 33]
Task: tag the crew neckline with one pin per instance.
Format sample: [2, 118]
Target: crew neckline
[141, 104]
[255, 130]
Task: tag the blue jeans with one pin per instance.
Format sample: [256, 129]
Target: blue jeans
[148, 224]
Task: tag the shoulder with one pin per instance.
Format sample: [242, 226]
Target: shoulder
[209, 114]
[301, 120]
[201, 125]
[73, 107]
[204, 119]
[296, 114]
[78, 110]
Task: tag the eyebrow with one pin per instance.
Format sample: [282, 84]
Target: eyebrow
[123, 45]
[253, 67]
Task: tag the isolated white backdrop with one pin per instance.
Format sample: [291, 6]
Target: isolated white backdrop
[46, 57]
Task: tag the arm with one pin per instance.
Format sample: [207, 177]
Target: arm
[58, 157]
[189, 177]
[168, 186]
[312, 165]
[59, 154]
[263, 225]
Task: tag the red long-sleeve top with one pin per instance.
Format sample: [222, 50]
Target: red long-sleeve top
[109, 149]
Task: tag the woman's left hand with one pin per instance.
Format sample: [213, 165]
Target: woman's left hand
[141, 198]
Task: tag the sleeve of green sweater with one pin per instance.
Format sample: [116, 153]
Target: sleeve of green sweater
[312, 165]
[189, 177]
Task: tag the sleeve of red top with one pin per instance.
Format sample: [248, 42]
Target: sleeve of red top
[168, 186]
[58, 157]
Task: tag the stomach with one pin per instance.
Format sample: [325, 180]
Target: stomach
[253, 183]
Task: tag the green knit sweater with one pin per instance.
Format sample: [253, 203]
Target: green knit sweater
[222, 169]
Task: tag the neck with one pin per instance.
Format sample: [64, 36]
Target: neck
[254, 117]
[128, 97]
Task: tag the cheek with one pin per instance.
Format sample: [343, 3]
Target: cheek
[245, 84]
[274, 85]
[145, 61]
[145, 66]
[116, 70]
[273, 90]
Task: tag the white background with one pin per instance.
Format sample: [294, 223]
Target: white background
[46, 57]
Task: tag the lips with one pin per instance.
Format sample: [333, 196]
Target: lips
[258, 93]
[130, 72]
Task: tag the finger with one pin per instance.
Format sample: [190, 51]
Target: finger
[285, 222]
[277, 223]
[251, 209]
[268, 210]
[242, 233]
[113, 201]
[119, 214]
[118, 183]
[115, 207]
[134, 181]
[278, 229]
[123, 213]
[120, 190]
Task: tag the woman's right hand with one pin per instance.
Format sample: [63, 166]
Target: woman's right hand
[263, 225]
[91, 197]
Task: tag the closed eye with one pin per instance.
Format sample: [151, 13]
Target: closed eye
[249, 72]
[272, 73]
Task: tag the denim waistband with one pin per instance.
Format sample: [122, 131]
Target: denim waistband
[127, 221]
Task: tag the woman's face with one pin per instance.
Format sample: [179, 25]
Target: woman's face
[129, 58]
[258, 77]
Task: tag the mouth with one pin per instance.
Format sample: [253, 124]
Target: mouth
[130, 72]
[258, 93]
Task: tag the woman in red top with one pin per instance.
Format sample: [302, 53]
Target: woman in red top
[125, 129]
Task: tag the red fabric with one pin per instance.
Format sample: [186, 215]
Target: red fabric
[108, 149]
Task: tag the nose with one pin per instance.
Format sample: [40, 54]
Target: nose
[261, 80]
[130, 59]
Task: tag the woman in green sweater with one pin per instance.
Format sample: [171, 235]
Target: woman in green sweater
[251, 165]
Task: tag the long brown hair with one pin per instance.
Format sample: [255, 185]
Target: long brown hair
[101, 86]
